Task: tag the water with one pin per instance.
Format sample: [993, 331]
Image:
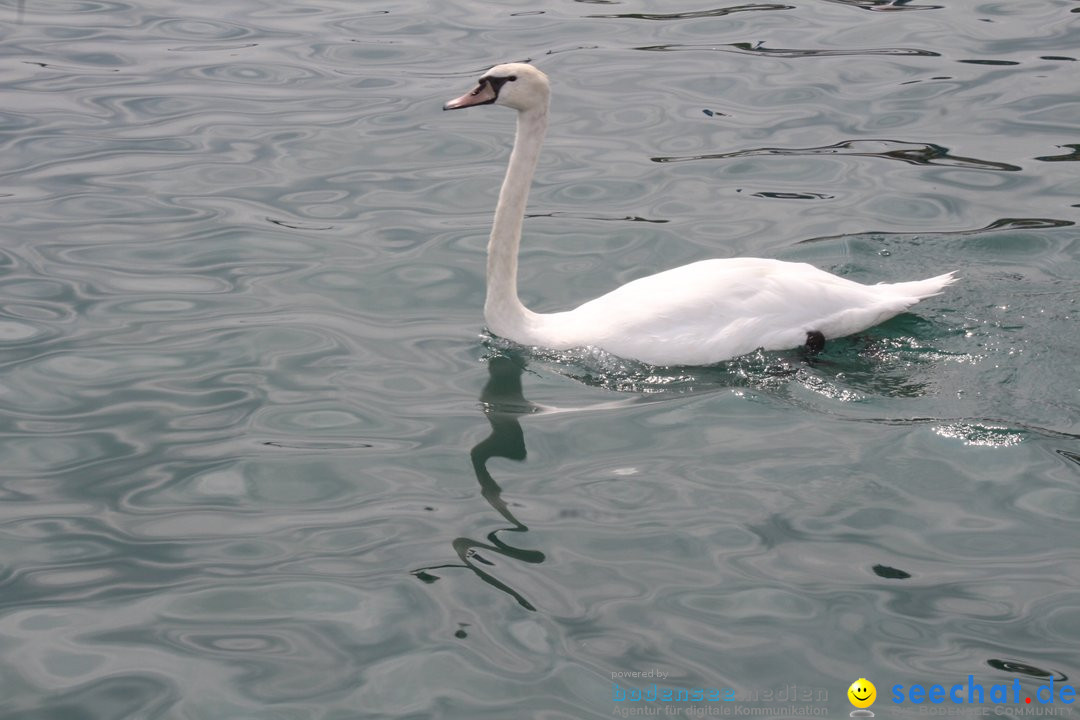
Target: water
[259, 462]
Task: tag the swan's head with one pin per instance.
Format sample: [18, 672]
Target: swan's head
[516, 85]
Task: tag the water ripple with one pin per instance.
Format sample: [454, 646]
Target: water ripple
[695, 14]
[251, 433]
[759, 48]
[908, 152]
[886, 5]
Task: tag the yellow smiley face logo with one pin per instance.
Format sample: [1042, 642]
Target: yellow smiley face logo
[862, 693]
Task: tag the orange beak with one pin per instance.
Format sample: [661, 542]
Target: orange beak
[482, 94]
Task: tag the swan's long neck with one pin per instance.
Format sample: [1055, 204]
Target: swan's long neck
[503, 312]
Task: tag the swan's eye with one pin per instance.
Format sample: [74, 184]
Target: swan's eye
[512, 78]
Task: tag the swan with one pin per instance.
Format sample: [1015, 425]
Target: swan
[702, 313]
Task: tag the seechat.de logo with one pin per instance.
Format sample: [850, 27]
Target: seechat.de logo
[862, 695]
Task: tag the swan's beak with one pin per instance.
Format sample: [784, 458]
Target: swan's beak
[483, 94]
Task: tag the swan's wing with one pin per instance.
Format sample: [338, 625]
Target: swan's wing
[714, 310]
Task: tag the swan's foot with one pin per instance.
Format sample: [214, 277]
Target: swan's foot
[815, 342]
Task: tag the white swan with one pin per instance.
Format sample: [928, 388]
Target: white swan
[697, 314]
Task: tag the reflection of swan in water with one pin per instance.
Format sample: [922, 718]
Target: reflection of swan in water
[503, 402]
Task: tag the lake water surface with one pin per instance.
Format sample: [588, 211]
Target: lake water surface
[257, 459]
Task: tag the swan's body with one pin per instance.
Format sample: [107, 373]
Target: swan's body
[696, 314]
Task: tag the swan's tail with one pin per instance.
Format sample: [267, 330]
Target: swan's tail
[923, 288]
